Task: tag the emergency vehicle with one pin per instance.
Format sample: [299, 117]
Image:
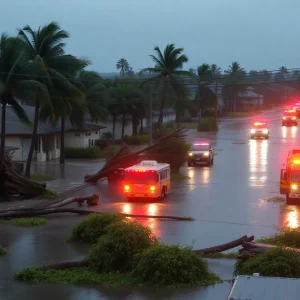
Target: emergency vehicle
[148, 179]
[290, 177]
[259, 130]
[297, 109]
[289, 118]
[201, 153]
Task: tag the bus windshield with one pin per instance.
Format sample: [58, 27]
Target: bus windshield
[295, 175]
[149, 177]
[200, 147]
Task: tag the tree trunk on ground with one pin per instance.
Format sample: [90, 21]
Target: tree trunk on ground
[62, 142]
[33, 139]
[2, 143]
[227, 246]
[123, 124]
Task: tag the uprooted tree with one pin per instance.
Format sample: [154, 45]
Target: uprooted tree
[14, 184]
[160, 150]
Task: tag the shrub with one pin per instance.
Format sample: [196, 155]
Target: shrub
[207, 124]
[2, 251]
[115, 250]
[286, 237]
[136, 140]
[92, 227]
[103, 143]
[277, 262]
[176, 158]
[89, 152]
[174, 266]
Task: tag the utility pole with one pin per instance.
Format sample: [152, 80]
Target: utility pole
[150, 117]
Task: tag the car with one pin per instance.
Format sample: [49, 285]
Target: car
[260, 130]
[200, 153]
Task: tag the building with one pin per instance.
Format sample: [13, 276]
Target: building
[18, 136]
[249, 100]
[169, 116]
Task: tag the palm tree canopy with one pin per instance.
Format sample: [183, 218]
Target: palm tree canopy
[169, 63]
[123, 66]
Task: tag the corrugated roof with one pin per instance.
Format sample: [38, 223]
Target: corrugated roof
[15, 127]
[265, 288]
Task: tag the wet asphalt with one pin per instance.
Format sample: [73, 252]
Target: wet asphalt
[230, 199]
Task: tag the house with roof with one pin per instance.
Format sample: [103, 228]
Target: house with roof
[18, 136]
[249, 100]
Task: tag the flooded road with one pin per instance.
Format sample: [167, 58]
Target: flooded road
[227, 200]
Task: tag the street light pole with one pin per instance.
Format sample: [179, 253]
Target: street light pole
[150, 118]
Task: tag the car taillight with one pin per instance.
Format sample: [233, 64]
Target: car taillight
[294, 118]
[152, 188]
[283, 118]
[126, 188]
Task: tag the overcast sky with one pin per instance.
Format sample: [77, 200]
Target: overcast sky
[259, 34]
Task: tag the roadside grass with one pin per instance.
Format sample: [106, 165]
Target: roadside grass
[26, 222]
[178, 176]
[284, 237]
[48, 195]
[229, 255]
[41, 177]
[2, 251]
[192, 125]
[241, 114]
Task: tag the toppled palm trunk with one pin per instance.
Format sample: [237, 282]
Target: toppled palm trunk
[126, 157]
[227, 246]
[14, 184]
[252, 248]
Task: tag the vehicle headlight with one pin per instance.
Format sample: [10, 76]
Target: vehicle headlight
[283, 118]
[252, 130]
[265, 131]
[206, 154]
[190, 154]
[294, 118]
[294, 187]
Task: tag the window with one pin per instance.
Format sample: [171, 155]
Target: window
[88, 134]
[77, 134]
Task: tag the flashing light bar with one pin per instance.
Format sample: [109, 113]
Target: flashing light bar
[290, 110]
[139, 170]
[202, 144]
[259, 123]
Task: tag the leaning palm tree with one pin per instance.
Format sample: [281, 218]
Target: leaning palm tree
[44, 50]
[123, 66]
[167, 72]
[14, 85]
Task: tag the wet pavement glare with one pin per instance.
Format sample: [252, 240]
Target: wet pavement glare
[230, 199]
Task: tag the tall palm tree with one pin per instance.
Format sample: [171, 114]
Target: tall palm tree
[47, 62]
[234, 83]
[167, 72]
[12, 85]
[123, 66]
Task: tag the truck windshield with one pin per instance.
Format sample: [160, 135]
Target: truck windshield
[141, 177]
[200, 147]
[295, 175]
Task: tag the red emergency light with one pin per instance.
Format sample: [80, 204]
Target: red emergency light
[259, 123]
[290, 111]
[296, 161]
[139, 171]
[202, 144]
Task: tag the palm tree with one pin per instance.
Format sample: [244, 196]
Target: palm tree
[123, 66]
[47, 62]
[234, 83]
[167, 72]
[13, 86]
[205, 97]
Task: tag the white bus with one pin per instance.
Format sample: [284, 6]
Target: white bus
[148, 179]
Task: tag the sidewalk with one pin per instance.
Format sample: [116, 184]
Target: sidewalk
[68, 176]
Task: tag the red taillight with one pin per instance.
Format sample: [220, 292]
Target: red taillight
[152, 188]
[126, 188]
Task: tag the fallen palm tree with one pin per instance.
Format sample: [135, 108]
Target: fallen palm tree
[14, 184]
[250, 248]
[127, 157]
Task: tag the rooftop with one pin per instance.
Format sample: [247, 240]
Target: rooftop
[15, 127]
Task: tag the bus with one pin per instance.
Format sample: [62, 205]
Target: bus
[148, 179]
